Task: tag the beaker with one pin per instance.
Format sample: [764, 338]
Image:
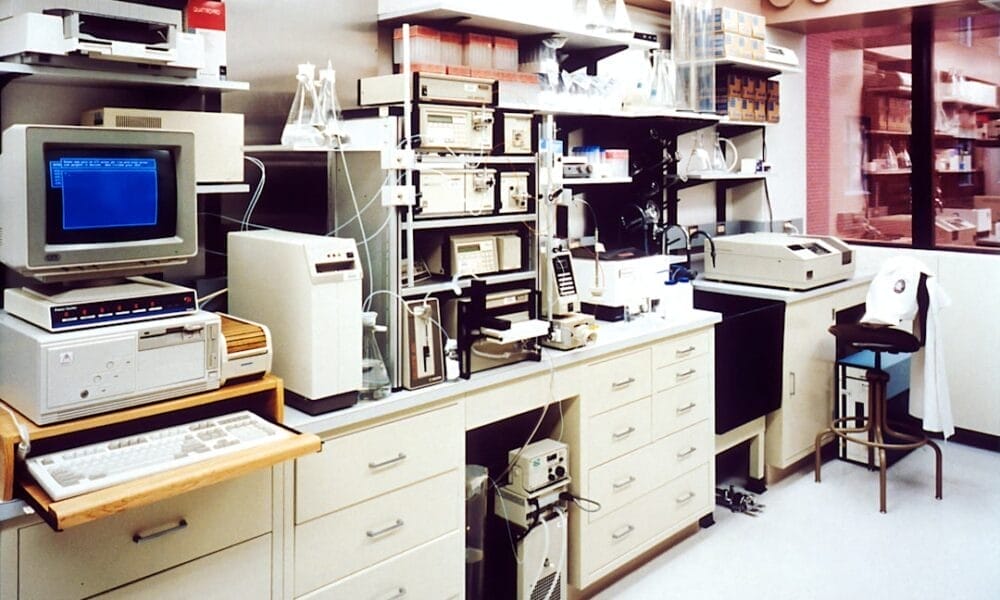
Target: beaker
[375, 383]
[302, 128]
[661, 84]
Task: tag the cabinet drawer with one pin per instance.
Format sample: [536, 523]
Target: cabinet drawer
[434, 570]
[366, 464]
[686, 449]
[681, 348]
[617, 381]
[618, 482]
[104, 554]
[242, 572]
[336, 545]
[618, 432]
[681, 406]
[679, 373]
[648, 518]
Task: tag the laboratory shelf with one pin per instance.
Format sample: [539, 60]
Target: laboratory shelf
[553, 109]
[422, 289]
[595, 181]
[955, 171]
[975, 106]
[887, 172]
[72, 76]
[472, 221]
[725, 176]
[502, 17]
[769, 69]
[431, 161]
[899, 133]
[222, 188]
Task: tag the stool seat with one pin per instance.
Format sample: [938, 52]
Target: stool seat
[878, 339]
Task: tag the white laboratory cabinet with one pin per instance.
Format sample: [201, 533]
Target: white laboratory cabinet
[380, 510]
[641, 437]
[198, 544]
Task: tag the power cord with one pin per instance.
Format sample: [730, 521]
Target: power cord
[252, 205]
[24, 445]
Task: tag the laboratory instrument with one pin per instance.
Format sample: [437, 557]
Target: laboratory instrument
[218, 150]
[533, 499]
[475, 254]
[453, 128]
[423, 355]
[50, 173]
[375, 383]
[307, 290]
[515, 196]
[52, 377]
[569, 328]
[451, 192]
[83, 469]
[795, 262]
[515, 129]
[627, 283]
[427, 87]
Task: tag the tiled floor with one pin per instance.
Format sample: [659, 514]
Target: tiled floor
[828, 540]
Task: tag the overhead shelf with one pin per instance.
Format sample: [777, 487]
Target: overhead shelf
[770, 69]
[435, 287]
[502, 18]
[888, 172]
[72, 76]
[472, 221]
[595, 181]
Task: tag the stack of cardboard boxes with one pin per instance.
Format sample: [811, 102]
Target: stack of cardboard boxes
[737, 34]
[744, 96]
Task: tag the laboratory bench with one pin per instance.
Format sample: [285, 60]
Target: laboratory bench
[381, 507]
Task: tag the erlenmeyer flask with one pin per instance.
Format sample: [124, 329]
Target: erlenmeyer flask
[719, 162]
[699, 161]
[375, 383]
[329, 109]
[891, 160]
[302, 125]
[661, 86]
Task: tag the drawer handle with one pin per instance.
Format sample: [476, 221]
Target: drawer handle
[683, 409]
[385, 463]
[617, 385]
[686, 498]
[400, 593]
[686, 374]
[619, 435]
[685, 351]
[687, 453]
[623, 483]
[385, 530]
[624, 531]
[160, 531]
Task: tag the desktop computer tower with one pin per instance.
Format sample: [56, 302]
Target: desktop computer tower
[307, 290]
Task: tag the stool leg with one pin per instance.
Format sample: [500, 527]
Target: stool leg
[937, 469]
[881, 480]
[876, 387]
[816, 451]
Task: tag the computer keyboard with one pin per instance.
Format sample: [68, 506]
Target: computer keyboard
[84, 469]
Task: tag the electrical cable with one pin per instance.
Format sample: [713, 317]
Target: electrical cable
[252, 205]
[506, 520]
[368, 300]
[562, 555]
[357, 210]
[577, 500]
[232, 220]
[209, 297]
[364, 208]
[767, 192]
[24, 445]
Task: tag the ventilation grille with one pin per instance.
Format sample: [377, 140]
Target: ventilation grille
[140, 122]
[541, 591]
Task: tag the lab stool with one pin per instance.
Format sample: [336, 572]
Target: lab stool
[876, 429]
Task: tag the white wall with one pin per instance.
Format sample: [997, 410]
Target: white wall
[970, 329]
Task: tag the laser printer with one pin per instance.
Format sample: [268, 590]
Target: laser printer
[794, 262]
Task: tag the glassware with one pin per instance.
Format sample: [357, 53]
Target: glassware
[719, 162]
[328, 109]
[302, 127]
[662, 75]
[375, 383]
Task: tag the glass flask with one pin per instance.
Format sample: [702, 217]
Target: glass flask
[328, 109]
[302, 128]
[719, 162]
[375, 383]
[662, 75]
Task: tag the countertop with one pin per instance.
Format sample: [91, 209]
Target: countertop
[784, 295]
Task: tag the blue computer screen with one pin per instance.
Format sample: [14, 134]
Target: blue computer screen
[109, 194]
[101, 192]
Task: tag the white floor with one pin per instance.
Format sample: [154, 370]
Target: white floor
[828, 540]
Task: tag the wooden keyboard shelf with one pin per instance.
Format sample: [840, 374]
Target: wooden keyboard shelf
[263, 396]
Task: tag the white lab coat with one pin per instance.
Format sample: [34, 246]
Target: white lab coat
[892, 298]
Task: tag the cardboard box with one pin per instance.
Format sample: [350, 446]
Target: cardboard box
[743, 23]
[757, 26]
[759, 111]
[208, 20]
[731, 107]
[773, 89]
[773, 110]
[730, 45]
[756, 48]
[725, 20]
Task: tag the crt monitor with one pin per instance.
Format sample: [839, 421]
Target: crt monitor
[83, 203]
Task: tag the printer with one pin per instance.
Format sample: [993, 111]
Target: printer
[70, 32]
[794, 262]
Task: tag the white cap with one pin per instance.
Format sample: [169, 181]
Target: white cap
[892, 295]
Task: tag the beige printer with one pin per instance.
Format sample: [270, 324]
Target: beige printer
[795, 262]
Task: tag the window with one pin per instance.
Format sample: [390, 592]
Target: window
[902, 129]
